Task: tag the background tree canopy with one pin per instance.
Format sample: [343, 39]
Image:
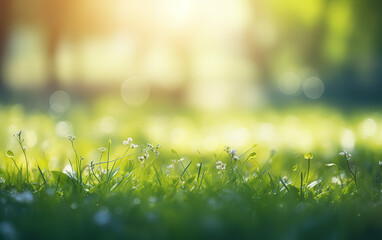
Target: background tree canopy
[251, 51]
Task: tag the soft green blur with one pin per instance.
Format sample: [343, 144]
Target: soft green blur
[290, 132]
[267, 112]
[208, 54]
[192, 75]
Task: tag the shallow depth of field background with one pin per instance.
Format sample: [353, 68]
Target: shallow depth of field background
[294, 76]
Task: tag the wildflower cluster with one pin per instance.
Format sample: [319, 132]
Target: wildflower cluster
[286, 180]
[18, 136]
[71, 137]
[232, 153]
[143, 157]
[220, 165]
[151, 148]
[129, 142]
[20, 139]
[133, 145]
[170, 167]
[154, 149]
[346, 154]
[102, 149]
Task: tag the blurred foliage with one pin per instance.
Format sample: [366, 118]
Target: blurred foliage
[293, 130]
[267, 112]
[189, 51]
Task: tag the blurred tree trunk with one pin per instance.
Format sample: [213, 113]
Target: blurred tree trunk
[366, 47]
[184, 54]
[52, 45]
[315, 48]
[56, 13]
[5, 21]
[261, 56]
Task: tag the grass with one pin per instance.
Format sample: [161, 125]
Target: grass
[146, 191]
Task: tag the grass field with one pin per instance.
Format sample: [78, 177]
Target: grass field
[185, 119]
[169, 174]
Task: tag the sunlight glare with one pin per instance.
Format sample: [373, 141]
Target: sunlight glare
[135, 91]
[348, 139]
[369, 128]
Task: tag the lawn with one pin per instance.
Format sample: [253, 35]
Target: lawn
[142, 173]
[185, 119]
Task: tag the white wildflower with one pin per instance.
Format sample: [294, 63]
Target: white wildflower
[170, 167]
[150, 145]
[227, 149]
[220, 165]
[232, 152]
[336, 180]
[18, 134]
[285, 179]
[345, 154]
[141, 158]
[180, 159]
[69, 170]
[102, 170]
[236, 158]
[2, 180]
[127, 142]
[156, 152]
[133, 145]
[380, 163]
[102, 149]
[71, 137]
[198, 165]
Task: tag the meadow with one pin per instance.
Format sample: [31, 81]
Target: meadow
[81, 175]
[186, 119]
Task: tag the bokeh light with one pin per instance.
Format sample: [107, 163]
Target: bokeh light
[135, 91]
[313, 87]
[289, 83]
[59, 101]
[348, 139]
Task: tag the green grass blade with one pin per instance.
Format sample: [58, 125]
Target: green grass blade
[157, 175]
[42, 175]
[185, 169]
